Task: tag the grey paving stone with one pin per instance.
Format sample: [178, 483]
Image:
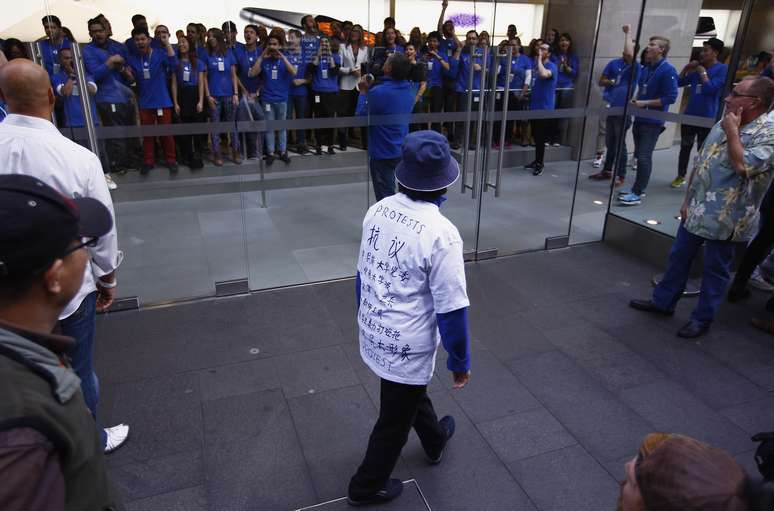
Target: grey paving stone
[525, 434]
[188, 499]
[606, 427]
[549, 318]
[566, 479]
[753, 417]
[621, 370]
[738, 351]
[236, 379]
[315, 371]
[584, 341]
[493, 391]
[252, 455]
[510, 336]
[409, 500]
[160, 474]
[333, 428]
[671, 408]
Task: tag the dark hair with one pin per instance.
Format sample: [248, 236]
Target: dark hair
[416, 39]
[95, 21]
[278, 34]
[296, 32]
[435, 35]
[764, 56]
[12, 42]
[389, 19]
[229, 25]
[220, 38]
[471, 31]
[303, 18]
[716, 44]
[136, 18]
[421, 196]
[400, 67]
[254, 28]
[567, 36]
[140, 31]
[51, 19]
[192, 55]
[357, 28]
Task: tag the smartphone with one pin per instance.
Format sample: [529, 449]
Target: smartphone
[364, 68]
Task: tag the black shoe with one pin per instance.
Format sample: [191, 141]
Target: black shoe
[342, 147]
[531, 165]
[692, 330]
[392, 489]
[196, 163]
[145, 169]
[538, 169]
[737, 293]
[172, 166]
[269, 159]
[302, 149]
[448, 425]
[770, 304]
[318, 151]
[330, 150]
[455, 146]
[284, 157]
[648, 306]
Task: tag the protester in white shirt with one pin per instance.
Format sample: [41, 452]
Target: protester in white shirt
[30, 144]
[411, 296]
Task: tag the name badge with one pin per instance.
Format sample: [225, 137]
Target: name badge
[510, 77]
[448, 52]
[317, 99]
[160, 112]
[528, 76]
[186, 74]
[324, 74]
[57, 67]
[221, 65]
[274, 72]
[475, 99]
[429, 65]
[146, 73]
[698, 88]
[268, 107]
[113, 107]
[75, 90]
[644, 89]
[497, 96]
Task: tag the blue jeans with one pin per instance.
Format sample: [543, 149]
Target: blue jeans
[299, 105]
[81, 326]
[250, 111]
[383, 177]
[615, 131]
[223, 111]
[718, 256]
[276, 112]
[645, 138]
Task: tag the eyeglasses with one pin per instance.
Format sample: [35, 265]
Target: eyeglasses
[735, 94]
[85, 242]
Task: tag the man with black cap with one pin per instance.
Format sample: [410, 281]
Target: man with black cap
[31, 145]
[50, 452]
[411, 296]
[704, 78]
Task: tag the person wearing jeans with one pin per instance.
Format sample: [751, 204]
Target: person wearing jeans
[756, 251]
[277, 72]
[249, 108]
[298, 98]
[720, 210]
[656, 90]
[221, 88]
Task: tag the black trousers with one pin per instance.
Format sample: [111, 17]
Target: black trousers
[326, 107]
[120, 150]
[540, 129]
[449, 105]
[437, 101]
[190, 146]
[401, 408]
[687, 135]
[347, 107]
[761, 245]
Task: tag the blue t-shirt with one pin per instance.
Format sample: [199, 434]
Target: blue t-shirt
[324, 80]
[244, 60]
[50, 54]
[73, 110]
[387, 97]
[132, 48]
[460, 68]
[566, 80]
[151, 73]
[435, 71]
[201, 53]
[517, 70]
[447, 47]
[188, 73]
[611, 72]
[110, 83]
[657, 81]
[619, 94]
[219, 75]
[543, 94]
[310, 44]
[395, 49]
[276, 80]
[705, 97]
[297, 60]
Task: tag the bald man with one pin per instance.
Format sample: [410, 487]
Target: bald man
[30, 144]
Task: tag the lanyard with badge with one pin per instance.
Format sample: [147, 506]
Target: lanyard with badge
[251, 56]
[275, 70]
[650, 76]
[146, 74]
[55, 53]
[187, 72]
[324, 67]
[221, 64]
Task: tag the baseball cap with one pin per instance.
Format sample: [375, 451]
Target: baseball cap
[38, 224]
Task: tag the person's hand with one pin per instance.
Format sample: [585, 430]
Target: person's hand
[626, 28]
[105, 297]
[460, 379]
[362, 85]
[164, 38]
[265, 53]
[177, 109]
[692, 64]
[211, 101]
[235, 100]
[199, 107]
[434, 54]
[477, 67]
[525, 90]
[297, 82]
[731, 121]
[444, 3]
[639, 104]
[356, 72]
[701, 69]
[115, 60]
[684, 210]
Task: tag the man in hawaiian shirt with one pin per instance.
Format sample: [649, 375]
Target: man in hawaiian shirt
[727, 185]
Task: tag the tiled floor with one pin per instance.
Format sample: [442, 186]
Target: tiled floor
[262, 402]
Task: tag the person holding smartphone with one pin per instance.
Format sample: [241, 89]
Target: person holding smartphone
[514, 71]
[390, 40]
[249, 108]
[298, 100]
[542, 97]
[188, 98]
[221, 87]
[353, 57]
[466, 60]
[278, 72]
[418, 81]
[325, 91]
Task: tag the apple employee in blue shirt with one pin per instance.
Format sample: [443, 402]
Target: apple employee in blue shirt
[542, 96]
[657, 89]
[705, 79]
[277, 72]
[412, 296]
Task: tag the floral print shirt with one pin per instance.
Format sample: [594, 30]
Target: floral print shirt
[723, 205]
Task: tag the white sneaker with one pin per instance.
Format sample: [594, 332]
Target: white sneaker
[116, 436]
[597, 163]
[111, 184]
[758, 281]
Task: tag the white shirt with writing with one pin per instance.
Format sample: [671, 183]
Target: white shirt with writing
[411, 269]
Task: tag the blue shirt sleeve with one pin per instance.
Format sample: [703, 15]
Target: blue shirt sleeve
[358, 284]
[95, 65]
[717, 79]
[362, 107]
[669, 86]
[453, 327]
